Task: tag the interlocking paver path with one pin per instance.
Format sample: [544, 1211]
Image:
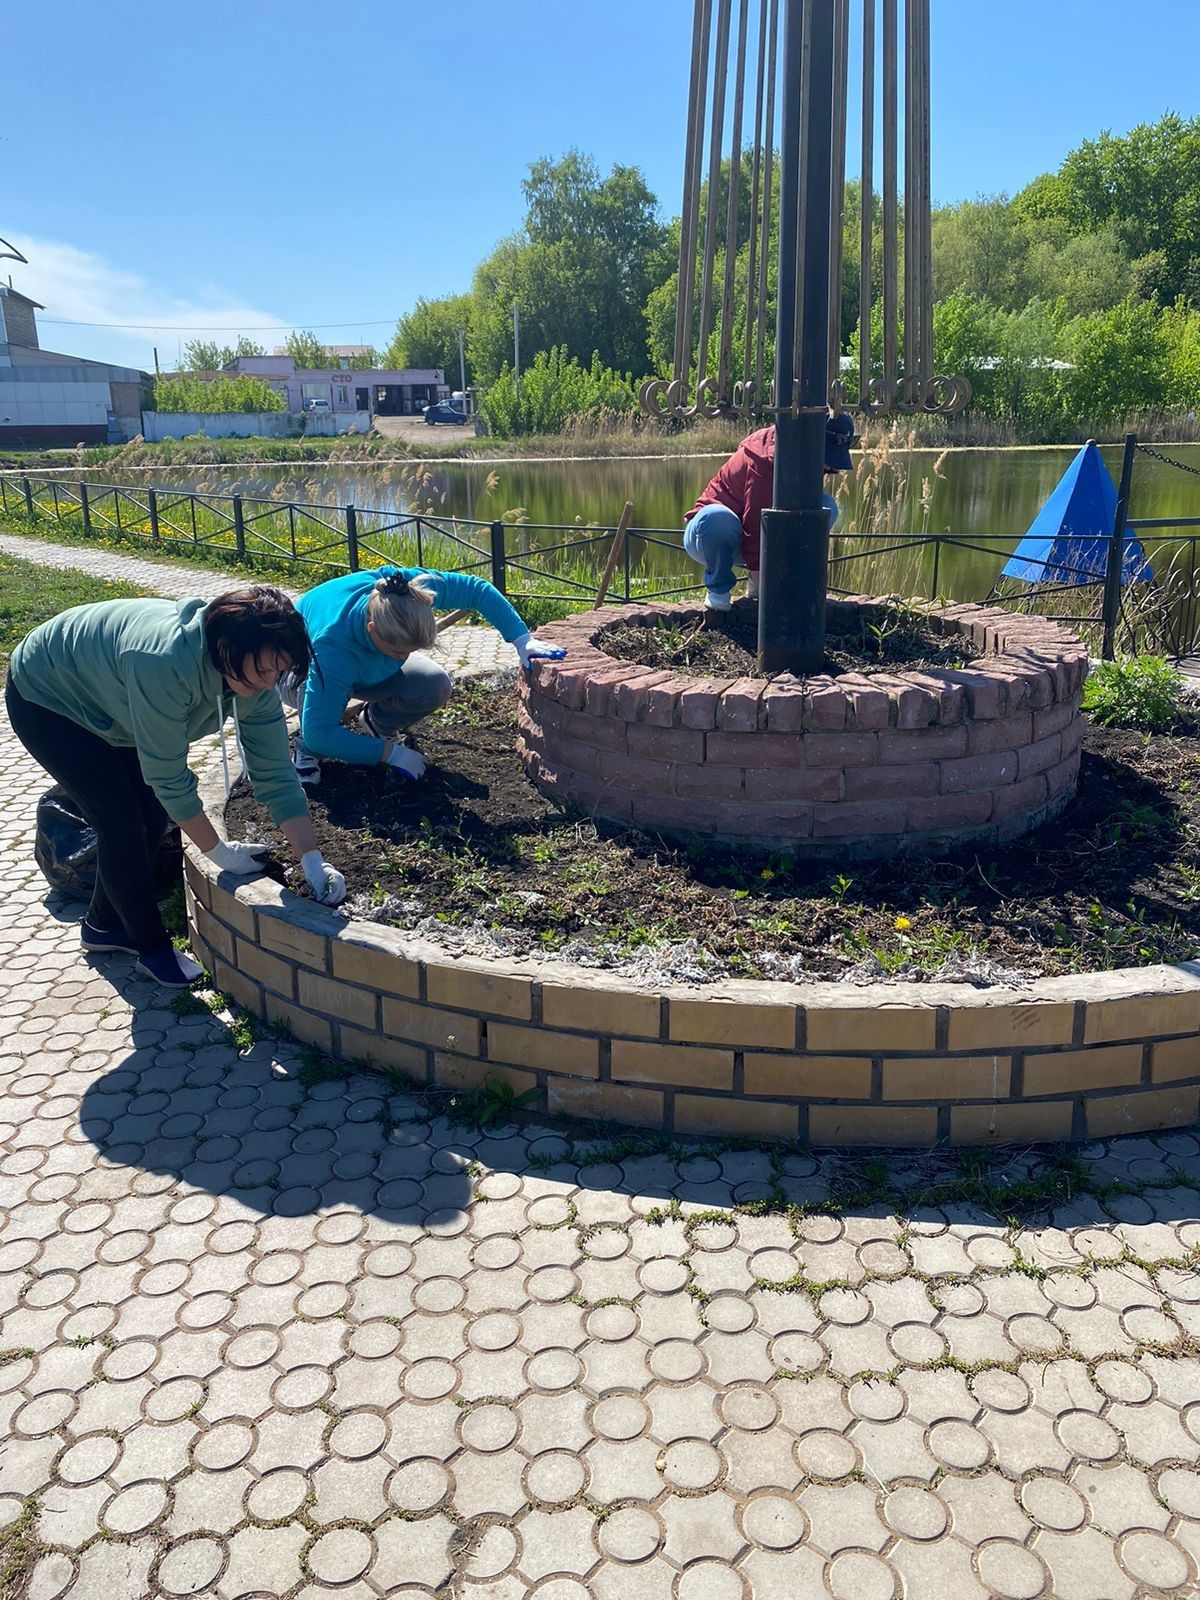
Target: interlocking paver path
[271, 1334]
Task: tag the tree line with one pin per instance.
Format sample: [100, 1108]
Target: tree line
[1076, 298]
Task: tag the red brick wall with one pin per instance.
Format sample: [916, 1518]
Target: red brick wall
[886, 764]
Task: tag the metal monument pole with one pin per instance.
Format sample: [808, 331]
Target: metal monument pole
[795, 532]
[707, 380]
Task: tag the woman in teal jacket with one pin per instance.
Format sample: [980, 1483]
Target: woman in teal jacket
[369, 631]
[108, 697]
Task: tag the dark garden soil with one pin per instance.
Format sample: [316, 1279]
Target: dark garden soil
[725, 644]
[474, 856]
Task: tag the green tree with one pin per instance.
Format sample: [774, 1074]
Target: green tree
[1023, 385]
[581, 268]
[1119, 361]
[979, 247]
[554, 388]
[1146, 183]
[1082, 273]
[964, 334]
[306, 349]
[206, 355]
[427, 336]
[230, 392]
[1181, 333]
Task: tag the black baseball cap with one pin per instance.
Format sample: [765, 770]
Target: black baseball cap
[839, 433]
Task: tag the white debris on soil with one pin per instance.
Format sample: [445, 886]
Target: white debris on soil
[653, 965]
[391, 909]
[656, 964]
[978, 971]
[785, 969]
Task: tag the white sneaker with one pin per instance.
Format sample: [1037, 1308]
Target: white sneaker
[752, 586]
[307, 768]
[714, 601]
[362, 724]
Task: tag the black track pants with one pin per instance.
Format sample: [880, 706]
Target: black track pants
[106, 783]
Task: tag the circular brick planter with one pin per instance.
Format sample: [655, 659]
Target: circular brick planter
[853, 766]
[1068, 1058]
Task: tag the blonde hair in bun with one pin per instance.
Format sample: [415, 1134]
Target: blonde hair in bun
[401, 612]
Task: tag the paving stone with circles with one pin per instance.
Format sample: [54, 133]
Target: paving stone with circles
[352, 1307]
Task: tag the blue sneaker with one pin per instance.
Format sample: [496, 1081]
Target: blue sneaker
[100, 941]
[168, 966]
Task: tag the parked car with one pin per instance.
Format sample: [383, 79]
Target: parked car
[317, 405]
[443, 411]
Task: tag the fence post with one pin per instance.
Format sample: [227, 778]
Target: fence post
[152, 502]
[1116, 553]
[498, 557]
[239, 529]
[352, 536]
[85, 509]
[29, 511]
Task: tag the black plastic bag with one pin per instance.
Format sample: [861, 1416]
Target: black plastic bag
[65, 849]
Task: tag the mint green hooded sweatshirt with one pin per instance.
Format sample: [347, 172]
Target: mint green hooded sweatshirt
[138, 672]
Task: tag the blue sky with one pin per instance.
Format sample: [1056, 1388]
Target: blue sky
[311, 163]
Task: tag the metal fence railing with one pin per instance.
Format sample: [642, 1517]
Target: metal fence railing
[558, 563]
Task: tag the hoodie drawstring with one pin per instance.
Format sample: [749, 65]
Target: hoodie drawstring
[237, 734]
[224, 753]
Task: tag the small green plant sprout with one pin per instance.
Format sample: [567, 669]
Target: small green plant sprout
[1138, 692]
[490, 1104]
[841, 886]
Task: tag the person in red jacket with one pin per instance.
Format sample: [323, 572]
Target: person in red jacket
[724, 525]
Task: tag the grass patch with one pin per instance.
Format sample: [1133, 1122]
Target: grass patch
[30, 594]
[19, 1550]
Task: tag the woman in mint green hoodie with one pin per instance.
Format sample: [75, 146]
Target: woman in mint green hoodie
[369, 632]
[108, 697]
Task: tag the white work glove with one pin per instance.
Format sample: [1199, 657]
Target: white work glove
[406, 761]
[326, 882]
[235, 855]
[530, 649]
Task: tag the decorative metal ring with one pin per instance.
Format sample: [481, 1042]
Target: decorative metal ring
[651, 397]
[704, 407]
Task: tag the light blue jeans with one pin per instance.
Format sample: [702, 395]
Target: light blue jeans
[418, 686]
[713, 539]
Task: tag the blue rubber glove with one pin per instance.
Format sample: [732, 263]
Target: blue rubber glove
[530, 649]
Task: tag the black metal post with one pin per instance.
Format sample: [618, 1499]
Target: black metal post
[795, 531]
[352, 536]
[498, 557]
[152, 502]
[239, 528]
[1116, 553]
[85, 509]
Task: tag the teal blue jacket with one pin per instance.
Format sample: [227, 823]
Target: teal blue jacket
[138, 672]
[346, 663]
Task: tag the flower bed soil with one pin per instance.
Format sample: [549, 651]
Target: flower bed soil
[474, 856]
[724, 644]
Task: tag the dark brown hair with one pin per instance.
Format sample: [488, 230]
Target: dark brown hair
[248, 622]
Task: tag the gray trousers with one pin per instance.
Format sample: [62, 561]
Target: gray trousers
[417, 687]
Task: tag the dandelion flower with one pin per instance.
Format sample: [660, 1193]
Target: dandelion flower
[902, 924]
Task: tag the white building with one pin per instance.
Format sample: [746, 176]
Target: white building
[48, 399]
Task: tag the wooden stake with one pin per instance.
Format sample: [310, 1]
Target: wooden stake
[614, 554]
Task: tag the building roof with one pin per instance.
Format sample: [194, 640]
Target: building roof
[15, 294]
[279, 368]
[29, 359]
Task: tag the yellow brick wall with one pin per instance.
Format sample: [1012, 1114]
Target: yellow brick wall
[601, 1051]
